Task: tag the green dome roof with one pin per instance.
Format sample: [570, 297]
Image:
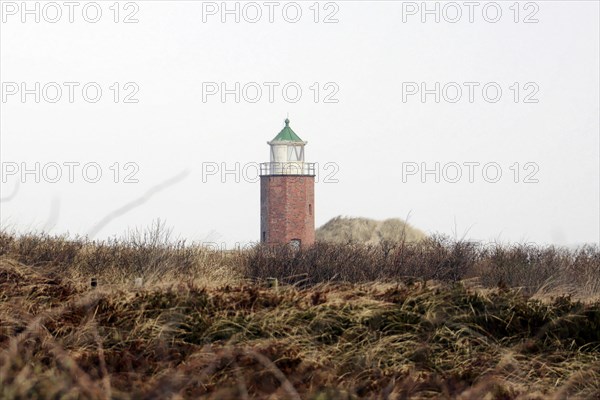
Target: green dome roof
[287, 134]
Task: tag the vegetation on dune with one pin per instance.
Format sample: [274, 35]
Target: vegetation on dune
[153, 256]
[434, 319]
[354, 230]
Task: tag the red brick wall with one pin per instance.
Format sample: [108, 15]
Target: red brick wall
[287, 209]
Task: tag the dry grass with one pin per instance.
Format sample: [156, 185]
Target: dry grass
[432, 320]
[541, 271]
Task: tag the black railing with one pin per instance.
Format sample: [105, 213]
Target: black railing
[287, 168]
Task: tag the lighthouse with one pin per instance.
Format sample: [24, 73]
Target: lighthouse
[287, 193]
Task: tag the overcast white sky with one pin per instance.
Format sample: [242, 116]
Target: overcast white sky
[373, 56]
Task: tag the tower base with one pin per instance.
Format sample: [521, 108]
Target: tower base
[287, 214]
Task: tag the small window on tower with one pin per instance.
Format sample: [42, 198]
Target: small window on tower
[295, 244]
[264, 236]
[310, 209]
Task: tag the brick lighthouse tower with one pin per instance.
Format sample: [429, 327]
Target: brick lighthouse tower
[287, 193]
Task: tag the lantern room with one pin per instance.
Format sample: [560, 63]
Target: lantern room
[287, 155]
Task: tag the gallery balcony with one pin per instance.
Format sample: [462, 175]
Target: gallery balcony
[287, 168]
